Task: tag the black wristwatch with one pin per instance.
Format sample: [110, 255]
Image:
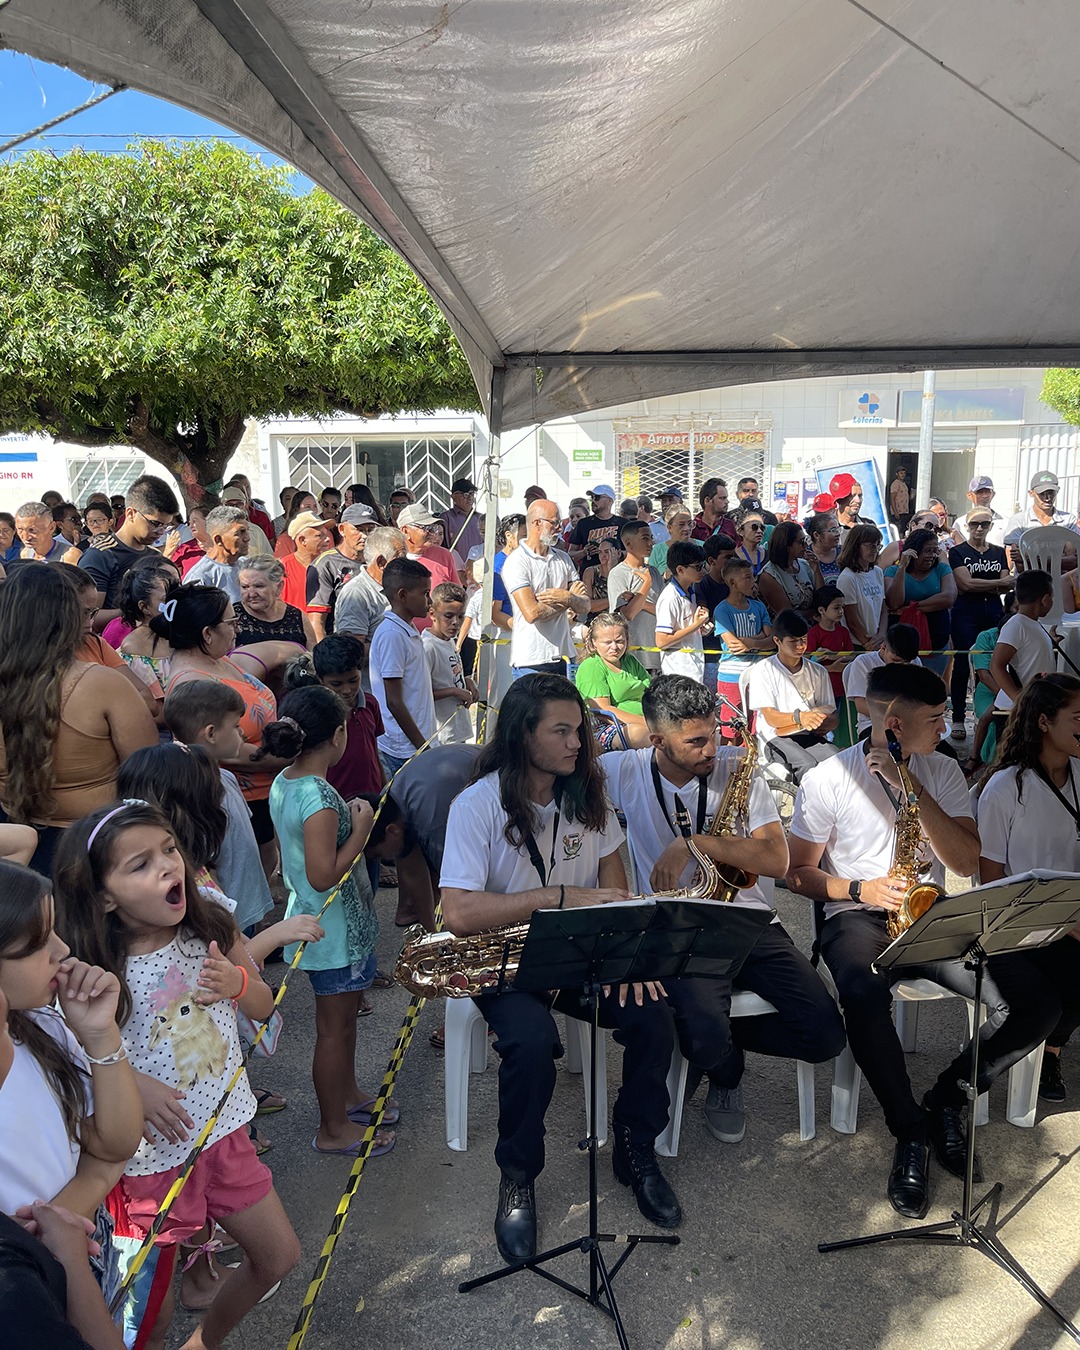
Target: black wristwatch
[854, 890]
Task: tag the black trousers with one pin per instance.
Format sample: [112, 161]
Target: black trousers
[1021, 1007]
[527, 1041]
[806, 1025]
[967, 624]
[1059, 964]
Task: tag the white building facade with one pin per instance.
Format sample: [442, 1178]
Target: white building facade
[793, 436]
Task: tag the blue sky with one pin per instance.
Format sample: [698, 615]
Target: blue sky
[33, 92]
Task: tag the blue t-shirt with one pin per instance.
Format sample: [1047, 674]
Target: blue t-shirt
[916, 589]
[498, 587]
[749, 622]
[350, 923]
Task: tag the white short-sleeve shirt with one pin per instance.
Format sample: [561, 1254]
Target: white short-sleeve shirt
[1034, 651]
[771, 685]
[534, 644]
[444, 666]
[632, 791]
[622, 578]
[842, 805]
[1029, 828]
[397, 653]
[674, 610]
[857, 675]
[478, 858]
[866, 591]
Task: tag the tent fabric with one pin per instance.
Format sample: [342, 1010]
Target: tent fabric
[799, 187]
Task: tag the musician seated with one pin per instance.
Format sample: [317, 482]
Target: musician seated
[851, 816]
[611, 679]
[534, 830]
[793, 699]
[683, 789]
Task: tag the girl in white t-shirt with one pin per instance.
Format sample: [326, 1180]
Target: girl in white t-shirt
[1029, 817]
[127, 898]
[70, 1114]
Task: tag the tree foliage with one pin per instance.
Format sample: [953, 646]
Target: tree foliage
[1061, 391]
[161, 297]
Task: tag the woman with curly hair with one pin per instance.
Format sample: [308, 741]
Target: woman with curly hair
[1029, 817]
[66, 724]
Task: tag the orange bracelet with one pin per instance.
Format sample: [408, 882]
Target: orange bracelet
[244, 986]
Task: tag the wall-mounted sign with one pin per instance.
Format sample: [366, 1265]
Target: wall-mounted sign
[640, 442]
[964, 407]
[589, 454]
[866, 407]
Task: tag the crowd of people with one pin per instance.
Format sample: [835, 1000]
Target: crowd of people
[207, 716]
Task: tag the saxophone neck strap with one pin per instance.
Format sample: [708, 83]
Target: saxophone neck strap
[1073, 807]
[533, 849]
[897, 799]
[682, 815]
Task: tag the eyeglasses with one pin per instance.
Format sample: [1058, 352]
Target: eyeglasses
[91, 613]
[978, 524]
[755, 526]
[1047, 492]
[150, 520]
[231, 622]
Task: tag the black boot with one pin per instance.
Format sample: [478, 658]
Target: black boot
[515, 1220]
[948, 1135]
[635, 1165]
[909, 1180]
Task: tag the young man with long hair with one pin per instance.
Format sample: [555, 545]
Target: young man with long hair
[533, 830]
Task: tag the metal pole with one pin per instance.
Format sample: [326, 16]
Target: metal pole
[691, 477]
[926, 441]
[485, 724]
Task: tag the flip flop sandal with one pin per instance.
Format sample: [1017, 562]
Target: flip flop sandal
[382, 980]
[437, 1039]
[353, 1151]
[365, 1009]
[388, 878]
[261, 1145]
[268, 1102]
[361, 1115]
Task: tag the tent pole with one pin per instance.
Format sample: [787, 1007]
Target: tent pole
[926, 441]
[485, 725]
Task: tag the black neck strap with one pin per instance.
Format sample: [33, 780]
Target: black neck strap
[682, 816]
[1072, 807]
[533, 850]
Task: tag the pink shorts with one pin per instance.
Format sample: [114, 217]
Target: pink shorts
[227, 1179]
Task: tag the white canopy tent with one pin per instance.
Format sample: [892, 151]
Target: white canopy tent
[614, 201]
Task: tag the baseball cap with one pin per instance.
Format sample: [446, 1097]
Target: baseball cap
[672, 491]
[841, 486]
[750, 504]
[535, 493]
[981, 483]
[475, 553]
[234, 495]
[304, 521]
[463, 485]
[822, 503]
[1044, 480]
[359, 515]
[979, 513]
[601, 490]
[416, 514]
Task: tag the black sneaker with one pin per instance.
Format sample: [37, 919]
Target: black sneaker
[1051, 1083]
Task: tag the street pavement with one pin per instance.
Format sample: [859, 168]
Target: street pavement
[747, 1274]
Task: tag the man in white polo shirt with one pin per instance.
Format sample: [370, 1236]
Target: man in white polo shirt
[544, 591]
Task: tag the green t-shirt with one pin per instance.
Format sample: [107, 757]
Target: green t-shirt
[623, 687]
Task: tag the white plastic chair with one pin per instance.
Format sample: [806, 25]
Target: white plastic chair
[1043, 548]
[743, 1004]
[907, 995]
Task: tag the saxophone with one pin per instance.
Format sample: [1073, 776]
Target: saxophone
[440, 965]
[919, 895]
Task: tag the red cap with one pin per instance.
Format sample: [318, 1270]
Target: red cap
[841, 486]
[822, 503]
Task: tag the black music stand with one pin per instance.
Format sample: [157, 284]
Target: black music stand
[1017, 914]
[618, 944]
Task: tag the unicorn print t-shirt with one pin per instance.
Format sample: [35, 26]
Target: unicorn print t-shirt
[180, 1042]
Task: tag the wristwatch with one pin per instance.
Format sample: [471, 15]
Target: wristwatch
[854, 890]
[796, 717]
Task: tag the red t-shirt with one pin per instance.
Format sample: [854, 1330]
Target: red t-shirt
[839, 640]
[440, 563]
[295, 589]
[358, 770]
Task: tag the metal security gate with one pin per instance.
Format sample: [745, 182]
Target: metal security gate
[427, 465]
[321, 462]
[654, 453]
[109, 475]
[433, 462]
[1053, 448]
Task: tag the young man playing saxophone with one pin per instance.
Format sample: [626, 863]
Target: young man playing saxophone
[533, 830]
[671, 794]
[842, 844]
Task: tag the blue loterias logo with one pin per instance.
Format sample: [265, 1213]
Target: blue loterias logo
[869, 403]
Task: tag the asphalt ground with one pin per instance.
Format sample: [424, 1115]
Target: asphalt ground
[747, 1274]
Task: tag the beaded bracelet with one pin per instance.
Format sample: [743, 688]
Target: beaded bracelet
[114, 1058]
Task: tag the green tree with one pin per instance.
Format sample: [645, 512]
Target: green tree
[161, 297]
[1061, 391]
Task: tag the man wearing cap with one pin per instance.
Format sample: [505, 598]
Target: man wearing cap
[545, 594]
[980, 494]
[419, 527]
[335, 567]
[1042, 510]
[602, 524]
[257, 513]
[671, 496]
[748, 493]
[713, 517]
[900, 500]
[535, 493]
[463, 529]
[311, 535]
